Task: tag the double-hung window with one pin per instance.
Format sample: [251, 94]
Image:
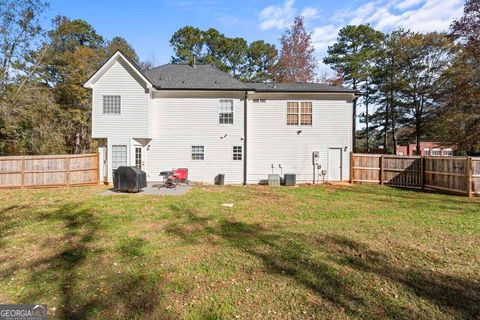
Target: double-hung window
[198, 153]
[237, 152]
[119, 156]
[225, 112]
[299, 113]
[306, 113]
[448, 152]
[426, 151]
[436, 152]
[112, 104]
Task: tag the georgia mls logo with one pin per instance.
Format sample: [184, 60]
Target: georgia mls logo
[39, 311]
[23, 312]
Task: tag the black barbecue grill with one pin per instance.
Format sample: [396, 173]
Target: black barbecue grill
[129, 179]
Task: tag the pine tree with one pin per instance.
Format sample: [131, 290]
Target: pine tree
[353, 56]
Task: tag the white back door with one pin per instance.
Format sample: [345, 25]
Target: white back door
[140, 157]
[334, 164]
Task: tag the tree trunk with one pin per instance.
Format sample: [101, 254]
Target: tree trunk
[418, 139]
[354, 120]
[392, 118]
[418, 124]
[77, 142]
[385, 128]
[366, 116]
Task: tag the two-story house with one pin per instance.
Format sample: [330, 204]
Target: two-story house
[200, 118]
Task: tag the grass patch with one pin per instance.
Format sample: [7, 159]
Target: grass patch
[357, 252]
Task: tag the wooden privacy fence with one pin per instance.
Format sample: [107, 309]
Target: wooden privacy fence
[48, 171]
[459, 175]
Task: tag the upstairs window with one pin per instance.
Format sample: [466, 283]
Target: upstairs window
[448, 152]
[426, 151]
[306, 113]
[299, 113]
[225, 114]
[237, 152]
[436, 152]
[111, 104]
[292, 113]
[198, 153]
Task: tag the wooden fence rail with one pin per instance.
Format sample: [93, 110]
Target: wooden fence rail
[48, 171]
[459, 175]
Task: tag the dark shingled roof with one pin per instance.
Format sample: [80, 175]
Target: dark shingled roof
[185, 76]
[208, 77]
[296, 87]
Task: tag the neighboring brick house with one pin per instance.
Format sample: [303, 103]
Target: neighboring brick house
[427, 148]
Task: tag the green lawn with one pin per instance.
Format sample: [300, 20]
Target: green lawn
[324, 252]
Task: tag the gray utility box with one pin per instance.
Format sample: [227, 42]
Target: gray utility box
[220, 179]
[289, 179]
[273, 179]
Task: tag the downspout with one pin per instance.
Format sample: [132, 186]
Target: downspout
[245, 139]
[354, 123]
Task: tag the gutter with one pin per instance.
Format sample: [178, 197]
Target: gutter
[245, 127]
[252, 89]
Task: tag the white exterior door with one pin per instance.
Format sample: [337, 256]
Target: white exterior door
[334, 164]
[139, 157]
[105, 163]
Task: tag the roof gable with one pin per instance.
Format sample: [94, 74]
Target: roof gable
[125, 61]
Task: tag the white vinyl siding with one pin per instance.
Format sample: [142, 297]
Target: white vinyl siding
[270, 141]
[172, 122]
[133, 120]
[174, 134]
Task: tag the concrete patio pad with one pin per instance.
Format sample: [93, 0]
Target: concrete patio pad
[154, 188]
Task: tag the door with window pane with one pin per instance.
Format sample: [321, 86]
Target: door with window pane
[139, 158]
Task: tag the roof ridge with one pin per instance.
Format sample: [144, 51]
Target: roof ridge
[183, 64]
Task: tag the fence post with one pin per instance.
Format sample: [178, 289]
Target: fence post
[469, 177]
[422, 172]
[382, 172]
[22, 170]
[67, 173]
[97, 174]
[351, 166]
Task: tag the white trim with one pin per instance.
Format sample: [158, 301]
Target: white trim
[115, 57]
